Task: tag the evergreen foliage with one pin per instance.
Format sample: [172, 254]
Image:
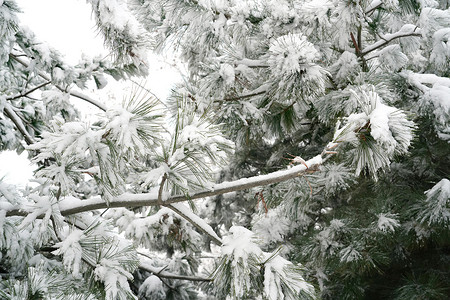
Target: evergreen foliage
[310, 140]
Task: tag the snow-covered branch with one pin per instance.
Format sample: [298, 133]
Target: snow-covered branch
[243, 96]
[73, 206]
[11, 114]
[66, 90]
[29, 91]
[372, 6]
[430, 79]
[252, 63]
[405, 31]
[159, 272]
[151, 199]
[195, 220]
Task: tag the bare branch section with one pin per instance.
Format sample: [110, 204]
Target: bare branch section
[68, 90]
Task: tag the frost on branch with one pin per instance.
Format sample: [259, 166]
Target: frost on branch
[273, 227]
[387, 222]
[152, 288]
[135, 130]
[71, 251]
[8, 27]
[376, 134]
[196, 149]
[440, 55]
[106, 150]
[391, 57]
[245, 271]
[164, 227]
[436, 209]
[283, 280]
[238, 272]
[122, 33]
[293, 61]
[112, 258]
[345, 69]
[334, 178]
[57, 103]
[434, 100]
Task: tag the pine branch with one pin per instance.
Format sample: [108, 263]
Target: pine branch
[179, 212]
[194, 223]
[357, 45]
[373, 6]
[29, 91]
[163, 274]
[252, 63]
[151, 199]
[386, 39]
[161, 189]
[242, 96]
[11, 114]
[65, 90]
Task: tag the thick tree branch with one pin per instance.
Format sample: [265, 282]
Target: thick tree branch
[72, 206]
[66, 90]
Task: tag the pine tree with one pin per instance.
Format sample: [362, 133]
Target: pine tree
[305, 154]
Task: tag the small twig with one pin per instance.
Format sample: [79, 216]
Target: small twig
[104, 212]
[384, 41]
[242, 97]
[260, 197]
[168, 275]
[29, 91]
[372, 9]
[297, 159]
[162, 269]
[11, 114]
[355, 44]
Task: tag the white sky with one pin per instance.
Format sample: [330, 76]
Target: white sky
[67, 26]
[64, 24]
